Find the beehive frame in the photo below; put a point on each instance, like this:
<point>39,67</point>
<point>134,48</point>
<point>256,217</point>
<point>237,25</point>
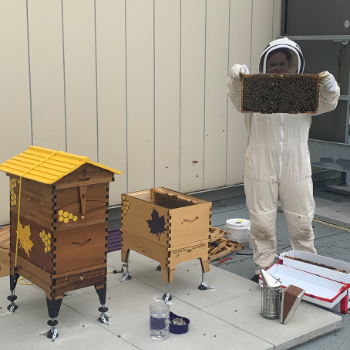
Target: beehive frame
<point>290,93</point>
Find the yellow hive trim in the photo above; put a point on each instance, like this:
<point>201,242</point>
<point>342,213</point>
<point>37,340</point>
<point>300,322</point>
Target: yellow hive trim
<point>46,165</point>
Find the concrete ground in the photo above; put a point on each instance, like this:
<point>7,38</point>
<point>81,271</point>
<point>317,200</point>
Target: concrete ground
<point>225,317</point>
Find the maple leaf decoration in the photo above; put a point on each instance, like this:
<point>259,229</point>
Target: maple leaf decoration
<point>157,224</point>
<point>23,236</point>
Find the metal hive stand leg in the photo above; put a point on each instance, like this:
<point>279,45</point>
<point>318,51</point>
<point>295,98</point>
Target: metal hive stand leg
<point>203,285</point>
<point>53,307</point>
<point>125,260</point>
<point>13,282</point>
<point>167,296</point>
<point>101,292</point>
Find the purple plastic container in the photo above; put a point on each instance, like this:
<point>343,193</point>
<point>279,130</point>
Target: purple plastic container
<point>179,328</point>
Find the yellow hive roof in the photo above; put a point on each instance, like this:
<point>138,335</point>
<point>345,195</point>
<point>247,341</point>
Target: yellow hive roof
<point>46,165</point>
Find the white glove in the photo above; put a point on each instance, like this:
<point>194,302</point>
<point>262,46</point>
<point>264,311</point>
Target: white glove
<point>237,71</point>
<point>327,80</point>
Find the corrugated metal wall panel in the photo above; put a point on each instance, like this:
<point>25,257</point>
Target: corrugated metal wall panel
<point>136,85</point>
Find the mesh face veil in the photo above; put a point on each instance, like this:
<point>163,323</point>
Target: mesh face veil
<point>297,63</point>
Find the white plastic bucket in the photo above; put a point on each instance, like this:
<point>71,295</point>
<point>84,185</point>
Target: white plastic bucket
<point>238,230</point>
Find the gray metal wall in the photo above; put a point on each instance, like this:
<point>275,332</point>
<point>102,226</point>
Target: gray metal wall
<point>323,17</point>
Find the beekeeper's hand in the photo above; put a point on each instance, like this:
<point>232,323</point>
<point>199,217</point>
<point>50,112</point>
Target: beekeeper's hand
<point>327,80</point>
<point>237,71</point>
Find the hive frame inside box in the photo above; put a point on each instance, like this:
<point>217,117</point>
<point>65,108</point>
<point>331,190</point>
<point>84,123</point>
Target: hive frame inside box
<point>318,290</point>
<point>319,270</point>
<point>183,235</point>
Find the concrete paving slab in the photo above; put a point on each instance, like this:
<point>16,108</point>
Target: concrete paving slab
<point>308,322</point>
<point>23,331</point>
<point>129,311</point>
<point>29,297</point>
<point>337,214</point>
<point>186,282</point>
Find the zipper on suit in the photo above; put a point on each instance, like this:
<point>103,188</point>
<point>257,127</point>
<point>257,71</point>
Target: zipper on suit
<point>280,173</point>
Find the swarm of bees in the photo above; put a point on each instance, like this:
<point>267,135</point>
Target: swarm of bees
<point>170,201</point>
<point>280,93</point>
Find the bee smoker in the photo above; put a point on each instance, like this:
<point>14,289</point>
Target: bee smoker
<point>271,292</point>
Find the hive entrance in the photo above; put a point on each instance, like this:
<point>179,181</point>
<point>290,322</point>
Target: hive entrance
<point>280,93</point>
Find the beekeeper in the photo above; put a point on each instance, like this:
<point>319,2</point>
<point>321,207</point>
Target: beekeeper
<point>277,161</point>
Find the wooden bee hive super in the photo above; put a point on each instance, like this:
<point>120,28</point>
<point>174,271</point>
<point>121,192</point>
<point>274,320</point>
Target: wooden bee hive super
<point>166,226</point>
<point>280,93</point>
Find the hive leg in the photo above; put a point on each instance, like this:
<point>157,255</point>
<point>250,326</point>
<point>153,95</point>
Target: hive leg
<point>205,264</point>
<point>125,260</point>
<point>53,308</point>
<point>101,292</point>
<point>13,282</point>
<point>168,276</point>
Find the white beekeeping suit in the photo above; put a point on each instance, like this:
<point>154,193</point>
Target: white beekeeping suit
<point>277,162</point>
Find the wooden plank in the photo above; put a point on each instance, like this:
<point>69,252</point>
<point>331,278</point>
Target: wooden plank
<point>46,73</point>
<point>167,96</point>
<point>36,203</point>
<point>80,77</point>
<point>184,230</point>
<point>5,237</point>
<point>4,269</point>
<point>78,271</point>
<point>78,280</point>
<point>144,195</point>
<point>191,252</point>
<point>32,273</point>
<point>215,132</point>
<point>111,87</point>
<point>5,256</point>
<point>225,247</point>
<point>216,233</point>
<point>66,196</point>
<point>39,238</point>
<point>237,137</point>
<point>86,174</point>
<point>145,247</point>
<point>140,105</point>
<point>193,17</point>
<point>137,218</point>
<point>80,247</point>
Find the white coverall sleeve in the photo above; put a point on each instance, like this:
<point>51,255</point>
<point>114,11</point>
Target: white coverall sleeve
<point>234,86</point>
<point>328,96</point>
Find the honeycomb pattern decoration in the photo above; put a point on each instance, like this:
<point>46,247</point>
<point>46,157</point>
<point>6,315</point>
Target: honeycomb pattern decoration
<point>13,184</point>
<point>65,216</point>
<point>126,205</point>
<point>46,238</point>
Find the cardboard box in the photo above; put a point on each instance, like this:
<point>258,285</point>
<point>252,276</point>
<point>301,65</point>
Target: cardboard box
<point>318,290</point>
<point>331,274</point>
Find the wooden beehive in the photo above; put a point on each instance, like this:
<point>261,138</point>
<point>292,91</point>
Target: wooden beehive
<point>59,215</point>
<point>280,93</point>
<point>166,226</point>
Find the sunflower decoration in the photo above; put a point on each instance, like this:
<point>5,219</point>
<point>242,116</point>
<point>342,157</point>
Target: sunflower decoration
<point>23,234</point>
<point>46,238</point>
<point>126,205</point>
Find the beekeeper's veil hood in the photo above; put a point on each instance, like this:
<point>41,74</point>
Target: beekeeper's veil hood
<point>297,63</point>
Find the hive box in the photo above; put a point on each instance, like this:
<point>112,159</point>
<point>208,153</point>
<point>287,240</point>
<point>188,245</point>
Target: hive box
<point>58,222</point>
<point>169,236</point>
<point>334,275</point>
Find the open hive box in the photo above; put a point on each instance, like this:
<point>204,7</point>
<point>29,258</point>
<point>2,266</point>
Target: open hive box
<point>5,251</point>
<point>280,93</point>
<point>167,226</point>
